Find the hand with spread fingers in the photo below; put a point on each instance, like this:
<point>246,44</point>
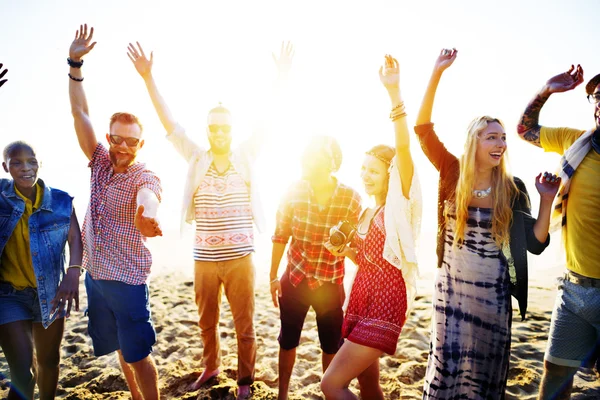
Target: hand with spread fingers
<point>68,293</point>
<point>547,185</point>
<point>445,59</point>
<point>2,74</point>
<point>142,64</point>
<point>147,226</point>
<point>566,81</point>
<point>286,56</point>
<point>82,44</point>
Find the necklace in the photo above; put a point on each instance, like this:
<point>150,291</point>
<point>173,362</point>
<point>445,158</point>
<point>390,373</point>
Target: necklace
<point>482,194</point>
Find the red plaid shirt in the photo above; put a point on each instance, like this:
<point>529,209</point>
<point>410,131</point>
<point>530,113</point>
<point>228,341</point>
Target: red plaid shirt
<point>113,248</point>
<point>300,217</point>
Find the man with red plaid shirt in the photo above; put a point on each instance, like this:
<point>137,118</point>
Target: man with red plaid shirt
<point>313,277</point>
<point>124,200</point>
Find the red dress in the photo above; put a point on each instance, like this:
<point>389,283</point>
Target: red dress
<point>377,307</point>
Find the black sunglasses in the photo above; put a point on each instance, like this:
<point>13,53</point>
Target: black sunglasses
<point>129,141</point>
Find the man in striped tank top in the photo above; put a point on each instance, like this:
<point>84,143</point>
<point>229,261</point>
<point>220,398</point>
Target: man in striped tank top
<point>220,197</point>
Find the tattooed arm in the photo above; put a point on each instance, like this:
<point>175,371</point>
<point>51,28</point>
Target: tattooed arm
<point>529,127</point>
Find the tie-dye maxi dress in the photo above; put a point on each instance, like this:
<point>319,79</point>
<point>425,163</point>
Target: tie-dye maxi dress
<point>470,339</point>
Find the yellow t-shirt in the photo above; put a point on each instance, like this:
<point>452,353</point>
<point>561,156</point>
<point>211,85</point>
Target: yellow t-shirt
<point>17,267</point>
<point>583,207</point>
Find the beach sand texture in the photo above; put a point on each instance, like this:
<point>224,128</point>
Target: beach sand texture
<point>178,352</point>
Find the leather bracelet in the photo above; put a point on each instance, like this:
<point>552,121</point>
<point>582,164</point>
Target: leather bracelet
<point>79,267</point>
<point>74,64</point>
<point>75,79</point>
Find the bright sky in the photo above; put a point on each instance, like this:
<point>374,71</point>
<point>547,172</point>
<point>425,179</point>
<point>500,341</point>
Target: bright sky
<point>206,52</point>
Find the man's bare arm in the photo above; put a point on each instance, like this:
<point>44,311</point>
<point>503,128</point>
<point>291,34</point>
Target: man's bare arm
<point>529,127</point>
<point>79,107</point>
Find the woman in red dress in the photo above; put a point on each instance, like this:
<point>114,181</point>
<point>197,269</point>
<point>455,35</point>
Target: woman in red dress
<point>384,251</point>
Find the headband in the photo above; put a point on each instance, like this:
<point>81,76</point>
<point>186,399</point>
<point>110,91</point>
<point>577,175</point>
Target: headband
<point>380,158</point>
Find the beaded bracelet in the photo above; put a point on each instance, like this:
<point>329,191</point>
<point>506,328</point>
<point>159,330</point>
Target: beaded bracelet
<point>75,79</point>
<point>74,64</point>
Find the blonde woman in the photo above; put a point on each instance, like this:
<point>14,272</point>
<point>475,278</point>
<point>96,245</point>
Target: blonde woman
<point>485,231</point>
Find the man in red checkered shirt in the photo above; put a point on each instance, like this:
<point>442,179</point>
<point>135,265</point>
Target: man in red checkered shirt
<point>121,214</point>
<point>314,276</point>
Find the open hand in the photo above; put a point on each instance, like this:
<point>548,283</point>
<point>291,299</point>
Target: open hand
<point>445,59</point>
<point>284,61</point>
<point>147,226</point>
<point>139,60</point>
<point>547,185</point>
<point>68,292</point>
<point>566,81</point>
<point>2,73</point>
<point>389,73</point>
<point>81,45</point>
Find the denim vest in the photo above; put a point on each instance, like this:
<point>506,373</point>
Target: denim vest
<point>48,232</point>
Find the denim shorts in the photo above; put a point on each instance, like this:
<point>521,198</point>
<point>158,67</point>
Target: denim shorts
<point>575,327</point>
<point>119,318</point>
<point>19,305</point>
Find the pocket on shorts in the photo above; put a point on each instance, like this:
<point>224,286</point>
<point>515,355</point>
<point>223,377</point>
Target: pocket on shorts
<point>140,315</point>
<point>6,289</point>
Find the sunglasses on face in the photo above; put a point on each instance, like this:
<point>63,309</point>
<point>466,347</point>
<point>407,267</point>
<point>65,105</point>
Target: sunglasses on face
<point>129,141</point>
<point>216,128</point>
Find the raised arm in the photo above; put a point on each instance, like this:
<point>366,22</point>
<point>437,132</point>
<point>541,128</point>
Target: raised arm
<point>529,127</point>
<point>433,148</point>
<point>144,68</point>
<point>536,230</point>
<point>444,60</point>
<point>2,74</point>
<point>389,74</point>
<point>79,107</point>
<point>275,103</point>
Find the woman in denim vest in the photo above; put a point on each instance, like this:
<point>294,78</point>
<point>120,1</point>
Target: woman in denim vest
<point>35,292</point>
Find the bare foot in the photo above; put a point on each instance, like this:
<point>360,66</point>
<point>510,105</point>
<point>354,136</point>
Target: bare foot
<point>243,392</point>
<point>203,378</point>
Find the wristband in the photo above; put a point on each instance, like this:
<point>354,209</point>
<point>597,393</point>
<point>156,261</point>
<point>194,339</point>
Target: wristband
<point>79,267</point>
<point>74,64</point>
<point>274,280</point>
<point>75,79</point>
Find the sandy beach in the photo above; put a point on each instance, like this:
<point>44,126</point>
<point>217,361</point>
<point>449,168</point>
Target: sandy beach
<point>179,349</point>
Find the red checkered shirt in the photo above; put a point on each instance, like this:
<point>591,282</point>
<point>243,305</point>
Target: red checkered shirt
<point>300,217</point>
<point>113,248</point>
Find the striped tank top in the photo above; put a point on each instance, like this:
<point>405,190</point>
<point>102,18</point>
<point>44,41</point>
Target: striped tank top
<point>223,217</point>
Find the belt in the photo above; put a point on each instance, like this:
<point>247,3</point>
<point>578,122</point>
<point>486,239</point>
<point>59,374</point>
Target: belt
<point>583,281</point>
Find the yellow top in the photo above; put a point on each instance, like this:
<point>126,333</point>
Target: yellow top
<point>16,266</point>
<point>583,207</point>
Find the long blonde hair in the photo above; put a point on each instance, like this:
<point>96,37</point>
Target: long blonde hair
<point>504,189</point>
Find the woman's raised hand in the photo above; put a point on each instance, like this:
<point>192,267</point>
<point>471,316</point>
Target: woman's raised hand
<point>445,59</point>
<point>389,74</point>
<point>547,185</point>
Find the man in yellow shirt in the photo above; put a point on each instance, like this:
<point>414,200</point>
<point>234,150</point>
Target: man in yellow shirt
<point>575,327</point>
